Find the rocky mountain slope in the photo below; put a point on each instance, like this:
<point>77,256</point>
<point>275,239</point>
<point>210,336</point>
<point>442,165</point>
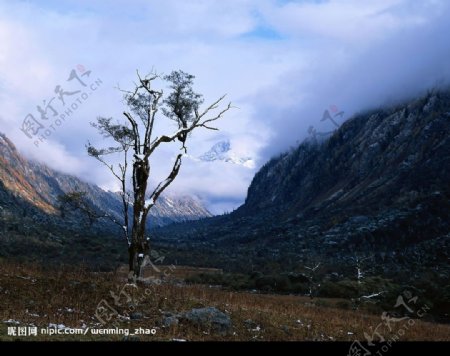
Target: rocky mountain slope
<point>378,187</point>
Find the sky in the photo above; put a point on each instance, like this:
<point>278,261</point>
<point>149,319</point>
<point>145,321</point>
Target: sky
<point>281,64</point>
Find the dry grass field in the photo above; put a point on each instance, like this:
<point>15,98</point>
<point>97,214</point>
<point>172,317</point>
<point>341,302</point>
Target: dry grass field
<point>35,297</point>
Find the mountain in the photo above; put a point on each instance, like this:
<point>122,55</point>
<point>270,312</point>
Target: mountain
<point>40,186</point>
<point>33,228</point>
<point>222,151</point>
<point>172,208</point>
<point>378,187</point>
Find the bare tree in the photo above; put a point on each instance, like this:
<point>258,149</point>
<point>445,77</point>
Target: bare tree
<point>135,141</point>
<point>361,273</point>
<point>311,274</point>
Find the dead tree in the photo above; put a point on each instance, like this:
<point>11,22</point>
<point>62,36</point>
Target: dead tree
<point>136,142</point>
<point>361,273</point>
<point>311,275</point>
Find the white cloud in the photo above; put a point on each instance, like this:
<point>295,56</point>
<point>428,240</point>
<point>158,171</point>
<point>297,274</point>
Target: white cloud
<point>349,20</point>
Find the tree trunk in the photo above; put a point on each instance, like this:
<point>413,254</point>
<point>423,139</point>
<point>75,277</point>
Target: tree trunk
<point>137,251</point>
<point>139,247</point>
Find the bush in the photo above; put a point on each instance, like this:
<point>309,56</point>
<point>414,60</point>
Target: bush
<point>342,289</point>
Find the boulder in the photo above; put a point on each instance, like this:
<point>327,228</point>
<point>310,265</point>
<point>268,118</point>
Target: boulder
<point>208,319</point>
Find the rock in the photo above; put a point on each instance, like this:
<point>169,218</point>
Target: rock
<point>136,316</point>
<point>249,323</point>
<point>150,281</point>
<point>286,329</point>
<point>169,321</point>
<point>208,318</point>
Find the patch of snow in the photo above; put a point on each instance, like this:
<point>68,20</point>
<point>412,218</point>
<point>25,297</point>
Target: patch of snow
<point>179,340</point>
<point>349,333</point>
<point>243,161</point>
<point>169,202</point>
<point>57,326</point>
<point>372,295</point>
<point>11,322</point>
<point>150,202</point>
<point>221,151</point>
<point>32,314</point>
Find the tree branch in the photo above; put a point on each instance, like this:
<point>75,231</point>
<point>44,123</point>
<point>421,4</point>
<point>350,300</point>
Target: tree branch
<point>137,143</point>
<point>164,184</point>
<point>196,123</point>
<point>110,167</point>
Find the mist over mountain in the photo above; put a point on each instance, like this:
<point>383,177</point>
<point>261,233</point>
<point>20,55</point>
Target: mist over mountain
<point>40,186</point>
<point>377,187</point>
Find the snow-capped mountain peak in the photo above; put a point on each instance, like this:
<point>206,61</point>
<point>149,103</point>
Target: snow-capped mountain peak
<point>217,151</point>
<point>221,151</point>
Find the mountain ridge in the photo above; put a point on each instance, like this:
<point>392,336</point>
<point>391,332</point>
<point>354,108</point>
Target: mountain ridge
<point>378,185</point>
<point>41,185</point>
